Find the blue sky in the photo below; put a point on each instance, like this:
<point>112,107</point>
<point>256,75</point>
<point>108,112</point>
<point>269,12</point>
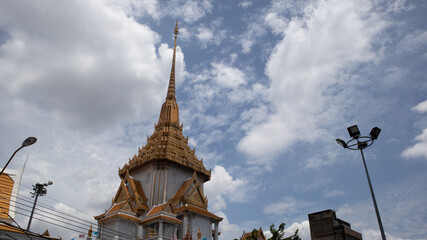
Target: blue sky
<point>264,89</point>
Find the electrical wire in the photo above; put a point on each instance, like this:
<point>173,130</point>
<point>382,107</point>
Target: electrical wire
<point>67,227</point>
<point>106,231</point>
<point>61,202</point>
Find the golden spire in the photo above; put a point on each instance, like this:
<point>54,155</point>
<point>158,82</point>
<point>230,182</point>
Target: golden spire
<point>171,88</point>
<point>167,141</point>
<point>169,112</point>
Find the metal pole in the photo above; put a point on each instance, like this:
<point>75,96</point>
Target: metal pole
<point>37,192</point>
<point>373,196</point>
<point>10,160</point>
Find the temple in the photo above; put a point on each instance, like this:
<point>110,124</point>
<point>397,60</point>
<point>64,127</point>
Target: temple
<point>161,191</point>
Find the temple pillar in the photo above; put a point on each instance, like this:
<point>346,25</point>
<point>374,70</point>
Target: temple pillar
<point>160,230</point>
<point>184,225</point>
<point>216,230</point>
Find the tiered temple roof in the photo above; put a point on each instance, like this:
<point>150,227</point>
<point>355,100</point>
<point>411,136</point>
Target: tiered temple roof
<point>168,143</point>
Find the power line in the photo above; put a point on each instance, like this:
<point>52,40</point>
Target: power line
<point>106,231</point>
<point>77,229</point>
<point>28,200</point>
<point>61,202</point>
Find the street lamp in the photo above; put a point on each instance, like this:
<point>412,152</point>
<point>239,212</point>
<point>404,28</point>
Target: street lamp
<point>27,142</point>
<point>39,190</point>
<point>358,142</point>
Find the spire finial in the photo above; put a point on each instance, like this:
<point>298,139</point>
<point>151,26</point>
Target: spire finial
<point>169,112</point>
<point>171,89</point>
<point>176,31</point>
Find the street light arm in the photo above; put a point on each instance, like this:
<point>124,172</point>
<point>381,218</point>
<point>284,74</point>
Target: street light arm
<point>10,160</point>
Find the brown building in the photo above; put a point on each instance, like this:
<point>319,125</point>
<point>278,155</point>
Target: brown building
<point>325,225</point>
<point>258,234</point>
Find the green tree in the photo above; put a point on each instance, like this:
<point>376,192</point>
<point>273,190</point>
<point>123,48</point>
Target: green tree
<point>277,234</point>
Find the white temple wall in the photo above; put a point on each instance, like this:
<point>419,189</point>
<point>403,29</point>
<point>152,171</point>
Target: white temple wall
<point>205,227</point>
<point>128,229</point>
<point>145,177</point>
<point>174,178</point>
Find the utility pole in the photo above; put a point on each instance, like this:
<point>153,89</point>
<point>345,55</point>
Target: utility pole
<point>39,190</point>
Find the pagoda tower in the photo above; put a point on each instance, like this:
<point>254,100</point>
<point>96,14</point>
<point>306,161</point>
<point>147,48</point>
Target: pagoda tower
<point>161,191</point>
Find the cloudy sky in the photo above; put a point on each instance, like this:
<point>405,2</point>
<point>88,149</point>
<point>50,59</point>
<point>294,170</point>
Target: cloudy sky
<point>264,89</point>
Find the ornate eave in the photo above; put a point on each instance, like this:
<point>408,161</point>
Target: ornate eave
<point>188,198</point>
<point>201,211</point>
<point>128,202</point>
<point>190,192</point>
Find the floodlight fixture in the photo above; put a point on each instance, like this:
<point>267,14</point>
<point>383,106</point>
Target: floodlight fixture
<point>341,142</point>
<point>353,131</point>
<point>375,132</point>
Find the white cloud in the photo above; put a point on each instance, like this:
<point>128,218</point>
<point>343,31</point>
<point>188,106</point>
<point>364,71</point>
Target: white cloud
<point>412,42</point>
<point>334,193</point>
<point>187,10</point>
<point>138,7</point>
<point>184,34</point>
<point>245,4</point>
<point>223,186</point>
<point>419,149</point>
<point>287,206</point>
<point>376,235</point>
<point>421,107</point>
<point>227,76</point>
<point>85,87</point>
<point>84,73</point>
<point>229,230</point>
<point>210,35</point>
<point>303,230</point>
<point>304,68</point>
<point>274,18</point>
<point>276,22</point>
<point>249,38</point>
<point>191,11</point>
<point>204,34</point>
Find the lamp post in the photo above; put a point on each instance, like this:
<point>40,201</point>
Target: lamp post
<point>358,142</point>
<point>27,142</point>
<point>39,190</point>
